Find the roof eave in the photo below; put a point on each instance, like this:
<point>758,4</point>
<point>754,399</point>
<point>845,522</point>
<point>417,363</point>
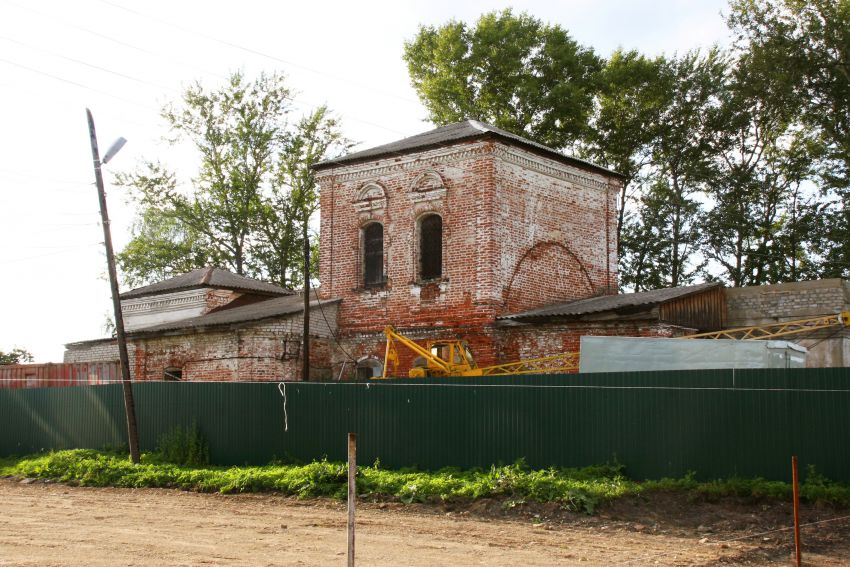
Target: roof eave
<point>552,154</point>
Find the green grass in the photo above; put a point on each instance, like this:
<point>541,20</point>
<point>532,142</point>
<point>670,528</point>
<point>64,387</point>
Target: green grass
<point>581,490</point>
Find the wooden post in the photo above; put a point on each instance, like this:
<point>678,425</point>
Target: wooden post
<point>352,493</point>
<point>129,403</point>
<point>795,480</point>
<point>305,356</point>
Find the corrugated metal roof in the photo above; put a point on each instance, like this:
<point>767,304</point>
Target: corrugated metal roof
<point>612,302</point>
<point>453,133</point>
<point>276,307</point>
<point>207,277</point>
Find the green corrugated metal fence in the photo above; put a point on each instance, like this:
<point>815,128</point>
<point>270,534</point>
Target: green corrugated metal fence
<point>716,423</point>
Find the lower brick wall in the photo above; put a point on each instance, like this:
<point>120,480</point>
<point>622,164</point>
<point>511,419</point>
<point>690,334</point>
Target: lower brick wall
<point>491,344</point>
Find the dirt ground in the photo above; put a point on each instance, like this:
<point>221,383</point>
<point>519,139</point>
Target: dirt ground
<point>51,524</point>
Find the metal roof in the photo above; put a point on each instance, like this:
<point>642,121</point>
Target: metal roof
<point>612,302</point>
<point>207,277</point>
<point>454,133</point>
<point>276,307</point>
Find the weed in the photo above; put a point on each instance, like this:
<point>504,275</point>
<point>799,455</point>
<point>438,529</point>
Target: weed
<point>579,490</point>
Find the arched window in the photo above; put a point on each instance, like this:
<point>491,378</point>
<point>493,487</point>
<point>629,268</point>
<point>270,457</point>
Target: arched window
<point>430,247</point>
<point>369,368</point>
<point>172,374</point>
<point>373,254</point>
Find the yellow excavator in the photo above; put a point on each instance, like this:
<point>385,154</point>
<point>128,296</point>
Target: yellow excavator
<point>453,357</point>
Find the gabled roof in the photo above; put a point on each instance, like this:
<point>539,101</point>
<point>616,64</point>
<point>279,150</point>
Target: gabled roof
<point>207,277</point>
<point>455,133</point>
<point>612,302</point>
<point>269,308</point>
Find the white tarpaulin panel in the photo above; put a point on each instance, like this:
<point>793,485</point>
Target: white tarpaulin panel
<point>630,354</point>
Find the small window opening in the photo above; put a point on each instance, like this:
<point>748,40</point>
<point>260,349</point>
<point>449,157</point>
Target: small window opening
<point>431,247</point>
<point>373,255</point>
<point>369,368</point>
<point>172,374</point>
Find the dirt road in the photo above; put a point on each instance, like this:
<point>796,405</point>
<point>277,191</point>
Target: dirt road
<point>50,524</point>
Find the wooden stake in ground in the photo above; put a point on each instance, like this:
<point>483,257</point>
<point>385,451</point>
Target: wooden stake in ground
<point>352,493</point>
<point>796,511</point>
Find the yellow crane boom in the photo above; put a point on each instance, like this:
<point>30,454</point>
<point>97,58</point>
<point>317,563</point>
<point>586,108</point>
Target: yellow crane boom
<point>453,358</point>
<point>774,330</point>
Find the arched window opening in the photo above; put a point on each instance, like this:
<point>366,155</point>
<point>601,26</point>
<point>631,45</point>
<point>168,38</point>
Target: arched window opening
<point>373,254</point>
<point>369,368</point>
<point>431,247</point>
<point>172,374</point>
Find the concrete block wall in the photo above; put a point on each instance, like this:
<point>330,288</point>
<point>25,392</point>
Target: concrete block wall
<point>761,305</point>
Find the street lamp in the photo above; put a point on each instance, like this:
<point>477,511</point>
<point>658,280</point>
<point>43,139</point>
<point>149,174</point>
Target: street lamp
<point>129,405</point>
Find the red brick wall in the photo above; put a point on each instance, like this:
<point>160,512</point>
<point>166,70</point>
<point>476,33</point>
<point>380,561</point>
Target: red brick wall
<point>493,344</point>
<point>519,231</point>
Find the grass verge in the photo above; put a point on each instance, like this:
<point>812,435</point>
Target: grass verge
<point>580,490</point>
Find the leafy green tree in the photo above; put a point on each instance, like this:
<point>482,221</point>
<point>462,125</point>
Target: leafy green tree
<point>681,162</point>
<point>762,218</point>
<point>512,71</point>
<point>807,43</point>
<point>633,91</point>
<point>240,211</point>
<point>293,197</point>
<point>15,356</point>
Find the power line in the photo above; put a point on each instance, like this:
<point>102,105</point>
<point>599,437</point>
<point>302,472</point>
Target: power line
<point>257,52</point>
<point>86,64</point>
<point>76,84</point>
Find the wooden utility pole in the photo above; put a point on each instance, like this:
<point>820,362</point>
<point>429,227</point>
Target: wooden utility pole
<point>798,556</point>
<point>352,493</point>
<point>305,357</point>
<point>129,404</point>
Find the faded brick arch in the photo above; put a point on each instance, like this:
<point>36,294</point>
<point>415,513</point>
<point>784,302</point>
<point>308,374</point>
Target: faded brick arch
<point>546,273</point>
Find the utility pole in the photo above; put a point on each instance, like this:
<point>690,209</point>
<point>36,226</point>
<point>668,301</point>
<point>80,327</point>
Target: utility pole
<point>129,405</point>
<point>305,357</point>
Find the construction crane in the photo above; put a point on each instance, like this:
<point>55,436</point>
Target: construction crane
<point>775,330</point>
<point>453,358</point>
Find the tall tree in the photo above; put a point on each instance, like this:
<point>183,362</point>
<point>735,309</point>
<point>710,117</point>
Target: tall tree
<point>292,199</point>
<point>235,213</point>
<point>681,159</point>
<point>804,47</point>
<point>633,92</point>
<point>512,71</point>
<point>759,227</point>
<point>808,43</point>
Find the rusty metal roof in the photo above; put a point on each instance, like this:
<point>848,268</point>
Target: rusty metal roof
<point>207,277</point>
<point>269,308</point>
<point>612,302</point>
<point>455,133</point>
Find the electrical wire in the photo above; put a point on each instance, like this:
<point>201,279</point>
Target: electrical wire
<point>259,53</point>
<point>76,84</point>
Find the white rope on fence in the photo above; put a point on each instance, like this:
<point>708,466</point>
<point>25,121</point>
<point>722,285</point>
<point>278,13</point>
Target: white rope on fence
<point>281,387</point>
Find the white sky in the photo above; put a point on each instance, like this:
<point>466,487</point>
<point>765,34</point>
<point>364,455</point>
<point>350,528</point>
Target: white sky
<point>124,60</point>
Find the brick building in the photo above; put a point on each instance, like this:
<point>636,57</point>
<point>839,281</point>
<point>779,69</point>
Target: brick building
<point>211,324</point>
<point>450,232</point>
<point>465,231</point>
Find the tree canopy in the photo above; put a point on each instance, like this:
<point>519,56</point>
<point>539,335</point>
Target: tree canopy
<point>15,356</point>
<point>735,161</point>
<point>247,206</point>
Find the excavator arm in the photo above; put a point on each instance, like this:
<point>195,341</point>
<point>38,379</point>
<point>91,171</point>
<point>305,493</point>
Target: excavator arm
<point>392,354</point>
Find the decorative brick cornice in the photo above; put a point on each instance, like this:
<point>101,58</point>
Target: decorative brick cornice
<point>414,160</point>
<point>548,167</point>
